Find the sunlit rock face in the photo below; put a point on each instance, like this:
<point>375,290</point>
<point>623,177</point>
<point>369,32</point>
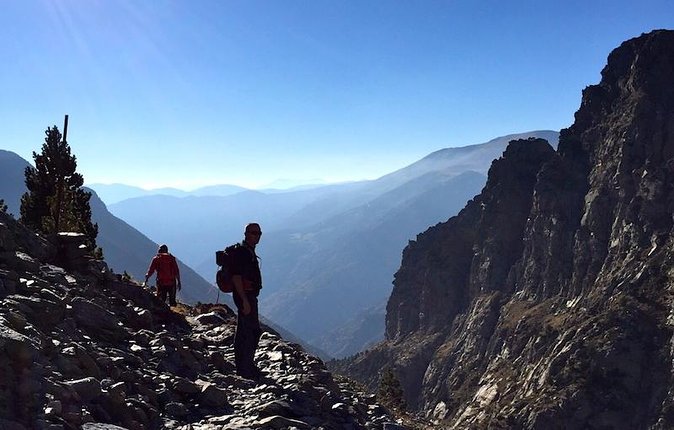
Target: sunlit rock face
<point>80,348</point>
<point>547,302</point>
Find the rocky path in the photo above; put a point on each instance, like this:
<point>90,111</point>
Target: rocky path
<point>86,350</point>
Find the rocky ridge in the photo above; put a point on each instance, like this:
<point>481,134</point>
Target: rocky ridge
<point>82,349</point>
<point>548,301</point>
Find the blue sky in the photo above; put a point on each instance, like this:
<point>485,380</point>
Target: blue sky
<point>191,93</point>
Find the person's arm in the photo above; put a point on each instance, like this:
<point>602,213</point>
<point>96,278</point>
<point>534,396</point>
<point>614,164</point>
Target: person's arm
<point>177,273</point>
<point>239,289</point>
<point>151,269</point>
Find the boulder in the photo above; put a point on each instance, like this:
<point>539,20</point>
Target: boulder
<point>87,388</point>
<point>92,317</point>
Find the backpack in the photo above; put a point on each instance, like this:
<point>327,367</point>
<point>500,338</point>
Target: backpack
<point>225,259</point>
<point>166,269</point>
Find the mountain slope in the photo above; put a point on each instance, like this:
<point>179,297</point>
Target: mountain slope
<point>344,265</point>
<point>454,161</point>
<point>125,248</point>
<point>444,163</point>
<point>546,303</point>
<point>12,180</point>
<point>83,350</point>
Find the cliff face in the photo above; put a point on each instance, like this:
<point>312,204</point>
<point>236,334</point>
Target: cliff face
<point>547,302</point>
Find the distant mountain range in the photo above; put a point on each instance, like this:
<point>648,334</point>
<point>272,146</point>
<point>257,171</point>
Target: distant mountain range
<point>113,193</point>
<point>328,252</point>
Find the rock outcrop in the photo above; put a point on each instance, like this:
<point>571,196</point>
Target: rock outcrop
<point>548,301</point>
<point>83,349</point>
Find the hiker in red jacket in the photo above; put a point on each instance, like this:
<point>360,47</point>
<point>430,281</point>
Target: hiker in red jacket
<point>168,275</point>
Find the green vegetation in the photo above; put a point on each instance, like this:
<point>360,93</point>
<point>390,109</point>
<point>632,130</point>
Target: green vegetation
<point>390,391</point>
<point>126,277</point>
<point>55,200</point>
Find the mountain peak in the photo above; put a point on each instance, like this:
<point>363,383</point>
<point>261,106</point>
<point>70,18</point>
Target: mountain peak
<point>635,86</point>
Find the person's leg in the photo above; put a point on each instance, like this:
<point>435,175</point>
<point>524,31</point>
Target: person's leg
<point>161,293</point>
<point>239,336</point>
<point>255,331</point>
<point>246,338</point>
<point>252,338</point>
<point>172,295</point>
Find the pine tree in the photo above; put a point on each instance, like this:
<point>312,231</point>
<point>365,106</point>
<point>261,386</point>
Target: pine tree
<point>390,391</point>
<point>3,206</point>
<point>55,200</point>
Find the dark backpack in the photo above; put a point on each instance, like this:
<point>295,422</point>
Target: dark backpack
<point>225,259</point>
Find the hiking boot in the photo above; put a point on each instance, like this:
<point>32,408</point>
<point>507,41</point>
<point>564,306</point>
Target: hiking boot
<point>253,374</point>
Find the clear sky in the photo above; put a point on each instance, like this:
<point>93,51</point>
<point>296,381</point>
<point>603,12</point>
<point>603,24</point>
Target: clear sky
<point>191,93</point>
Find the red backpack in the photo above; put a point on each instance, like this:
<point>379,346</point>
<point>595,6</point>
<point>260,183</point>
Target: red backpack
<point>166,269</point>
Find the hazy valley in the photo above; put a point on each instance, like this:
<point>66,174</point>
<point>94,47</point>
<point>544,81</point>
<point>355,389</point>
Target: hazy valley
<point>329,253</point>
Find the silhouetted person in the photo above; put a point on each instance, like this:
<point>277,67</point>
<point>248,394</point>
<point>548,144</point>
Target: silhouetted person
<point>168,275</point>
<point>247,281</point>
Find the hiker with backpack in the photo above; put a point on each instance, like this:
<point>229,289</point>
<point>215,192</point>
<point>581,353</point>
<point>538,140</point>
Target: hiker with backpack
<point>247,280</point>
<point>168,275</point>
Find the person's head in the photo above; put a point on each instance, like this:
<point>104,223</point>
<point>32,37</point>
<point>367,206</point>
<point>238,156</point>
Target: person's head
<point>163,249</point>
<point>252,233</point>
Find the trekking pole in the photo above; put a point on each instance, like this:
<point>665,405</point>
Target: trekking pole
<point>217,300</point>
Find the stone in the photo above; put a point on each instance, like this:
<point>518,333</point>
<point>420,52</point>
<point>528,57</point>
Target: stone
<point>25,262</point>
<point>87,388</point>
<point>211,318</point>
<point>17,347</point>
<point>276,407</point>
<point>176,409</point>
<point>91,316</point>
<point>7,285</point>
<point>213,396</point>
<point>278,422</point>
<point>329,400</point>
<point>101,426</point>
<point>184,386</point>
<point>440,411</point>
<point>340,408</point>
<point>50,312</point>
<point>117,392</point>
<point>140,319</point>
